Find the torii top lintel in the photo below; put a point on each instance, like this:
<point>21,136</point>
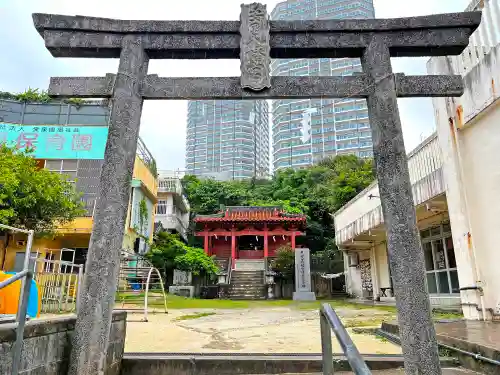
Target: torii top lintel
<point>255,40</point>
<point>81,36</point>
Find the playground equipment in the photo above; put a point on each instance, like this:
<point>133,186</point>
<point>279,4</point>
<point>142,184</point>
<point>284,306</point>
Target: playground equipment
<point>140,286</point>
<point>10,297</point>
<point>26,276</point>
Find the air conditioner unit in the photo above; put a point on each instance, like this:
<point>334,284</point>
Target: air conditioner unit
<point>353,259</point>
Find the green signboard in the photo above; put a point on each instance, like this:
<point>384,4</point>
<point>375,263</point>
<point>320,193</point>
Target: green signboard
<point>57,142</point>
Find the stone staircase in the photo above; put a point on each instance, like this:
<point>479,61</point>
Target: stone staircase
<point>247,280</point>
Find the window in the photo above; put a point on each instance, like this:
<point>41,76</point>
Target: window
<point>161,208</point>
<point>440,262</point>
<point>65,167</point>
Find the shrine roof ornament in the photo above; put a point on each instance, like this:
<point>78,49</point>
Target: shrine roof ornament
<point>250,214</point>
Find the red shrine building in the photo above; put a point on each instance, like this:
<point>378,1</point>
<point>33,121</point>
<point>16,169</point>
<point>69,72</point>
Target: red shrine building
<point>249,232</point>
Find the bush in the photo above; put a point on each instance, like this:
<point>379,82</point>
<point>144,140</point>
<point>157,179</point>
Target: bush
<point>169,252</point>
<point>284,263</point>
<point>196,261</point>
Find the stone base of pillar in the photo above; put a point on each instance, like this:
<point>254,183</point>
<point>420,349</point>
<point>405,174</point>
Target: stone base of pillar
<point>304,296</point>
<point>270,291</point>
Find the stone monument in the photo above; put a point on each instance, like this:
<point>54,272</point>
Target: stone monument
<point>182,284</point>
<point>303,276</point>
<point>255,40</point>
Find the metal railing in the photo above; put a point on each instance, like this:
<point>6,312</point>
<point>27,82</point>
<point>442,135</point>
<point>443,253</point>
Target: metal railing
<point>59,285</point>
<point>329,321</point>
<point>26,276</point>
<point>229,270</point>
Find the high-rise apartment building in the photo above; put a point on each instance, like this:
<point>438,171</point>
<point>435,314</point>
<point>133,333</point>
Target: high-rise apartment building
<point>306,131</point>
<point>228,139</point>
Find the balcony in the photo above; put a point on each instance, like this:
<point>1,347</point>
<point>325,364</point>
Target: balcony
<point>172,185</point>
<point>172,223</point>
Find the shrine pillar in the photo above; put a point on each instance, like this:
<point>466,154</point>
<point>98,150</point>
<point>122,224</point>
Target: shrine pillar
<point>233,249</point>
<point>293,240</point>
<point>266,242</point>
<point>205,243</point>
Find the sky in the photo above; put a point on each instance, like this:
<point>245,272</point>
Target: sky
<point>24,61</point>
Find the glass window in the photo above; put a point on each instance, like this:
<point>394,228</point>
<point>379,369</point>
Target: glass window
<point>439,254</point>
<point>431,283</point>
<point>450,252</point>
<point>429,262</point>
<point>53,165</point>
<point>444,286</point>
<point>455,288</point>
<point>440,262</point>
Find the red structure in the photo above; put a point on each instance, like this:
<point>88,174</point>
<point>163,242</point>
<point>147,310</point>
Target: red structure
<point>249,232</point>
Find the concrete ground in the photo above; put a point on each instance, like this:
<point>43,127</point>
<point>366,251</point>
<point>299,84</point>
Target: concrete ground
<point>257,330</point>
<point>450,371</point>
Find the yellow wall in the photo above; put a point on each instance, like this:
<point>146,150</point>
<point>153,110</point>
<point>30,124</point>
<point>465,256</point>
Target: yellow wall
<point>79,225</point>
<point>77,233</point>
<point>142,172</point>
<point>42,245</point>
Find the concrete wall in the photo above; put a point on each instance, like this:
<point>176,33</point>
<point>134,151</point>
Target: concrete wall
<point>353,275</point>
<point>470,139</point>
<point>382,264</point>
<point>47,346</point>
<point>362,213</point>
<point>480,143</point>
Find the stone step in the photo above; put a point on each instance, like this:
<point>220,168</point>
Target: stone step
<point>248,298</point>
<point>249,265</point>
<point>246,290</point>
<point>256,274</point>
<point>248,271</point>
<point>250,280</point>
<point>247,277</point>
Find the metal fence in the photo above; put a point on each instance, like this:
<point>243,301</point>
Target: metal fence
<point>58,285</point>
<point>329,321</point>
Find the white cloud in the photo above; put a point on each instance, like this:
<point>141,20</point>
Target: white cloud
<point>26,63</point>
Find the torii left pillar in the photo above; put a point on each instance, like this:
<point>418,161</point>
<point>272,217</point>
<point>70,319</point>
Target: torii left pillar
<point>93,326</point>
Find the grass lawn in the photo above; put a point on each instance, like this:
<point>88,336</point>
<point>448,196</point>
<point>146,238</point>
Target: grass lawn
<point>194,316</point>
<point>177,302</point>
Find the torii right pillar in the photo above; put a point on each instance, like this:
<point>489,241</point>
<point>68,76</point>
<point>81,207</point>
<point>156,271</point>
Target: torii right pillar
<point>406,257</point>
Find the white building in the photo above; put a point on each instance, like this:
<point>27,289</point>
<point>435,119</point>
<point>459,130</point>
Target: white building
<point>172,210</point>
<point>455,176</point>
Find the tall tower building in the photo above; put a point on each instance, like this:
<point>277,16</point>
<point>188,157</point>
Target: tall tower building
<point>228,139</point>
<point>306,131</point>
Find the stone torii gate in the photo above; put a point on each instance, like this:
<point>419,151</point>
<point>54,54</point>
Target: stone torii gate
<point>255,40</point>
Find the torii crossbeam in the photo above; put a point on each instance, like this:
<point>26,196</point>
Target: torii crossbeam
<point>255,40</point>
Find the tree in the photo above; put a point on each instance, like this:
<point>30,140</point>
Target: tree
<point>317,191</point>
<point>169,252</point>
<point>32,197</point>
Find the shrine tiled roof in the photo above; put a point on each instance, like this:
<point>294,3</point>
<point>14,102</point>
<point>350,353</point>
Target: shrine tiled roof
<point>250,213</point>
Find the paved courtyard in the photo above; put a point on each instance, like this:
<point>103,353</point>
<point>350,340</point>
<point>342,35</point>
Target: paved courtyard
<point>254,330</point>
